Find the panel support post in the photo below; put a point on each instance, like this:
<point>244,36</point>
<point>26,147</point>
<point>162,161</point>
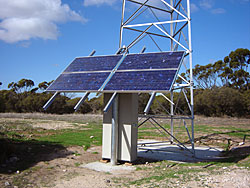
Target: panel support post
<point>114,135</point>
<point>46,106</point>
<point>150,101</point>
<point>77,106</point>
<point>172,115</point>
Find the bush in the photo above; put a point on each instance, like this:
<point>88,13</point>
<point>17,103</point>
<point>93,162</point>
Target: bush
<point>246,96</point>
<point>84,108</point>
<point>9,100</point>
<point>219,102</point>
<point>2,104</point>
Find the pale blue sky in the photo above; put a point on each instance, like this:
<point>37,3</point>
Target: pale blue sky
<point>37,41</point>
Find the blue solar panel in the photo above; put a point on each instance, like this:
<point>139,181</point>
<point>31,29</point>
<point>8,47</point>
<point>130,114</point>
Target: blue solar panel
<point>152,61</point>
<point>141,81</point>
<point>138,73</point>
<point>78,82</point>
<point>93,63</point>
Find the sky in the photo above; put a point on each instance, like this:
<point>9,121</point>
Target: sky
<point>39,38</point>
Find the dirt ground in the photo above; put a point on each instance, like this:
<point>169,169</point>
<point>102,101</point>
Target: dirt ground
<point>64,171</point>
<point>60,167</point>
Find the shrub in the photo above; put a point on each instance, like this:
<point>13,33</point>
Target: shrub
<point>219,102</point>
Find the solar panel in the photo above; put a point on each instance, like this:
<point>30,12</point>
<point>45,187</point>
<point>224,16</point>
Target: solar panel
<point>93,63</point>
<point>152,61</point>
<point>141,81</point>
<point>78,82</point>
<point>137,73</point>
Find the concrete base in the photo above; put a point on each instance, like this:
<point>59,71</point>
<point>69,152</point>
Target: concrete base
<point>153,149</point>
<point>107,167</point>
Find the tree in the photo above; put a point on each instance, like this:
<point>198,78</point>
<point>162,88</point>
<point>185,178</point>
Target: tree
<point>23,85</point>
<point>238,74</point>
<point>230,72</point>
<point>44,85</point>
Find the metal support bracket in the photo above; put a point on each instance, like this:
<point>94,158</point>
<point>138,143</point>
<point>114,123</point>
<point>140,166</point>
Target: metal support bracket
<point>84,97</point>
<point>105,110</point>
<point>150,101</point>
<point>92,53</point>
<point>189,106</point>
<point>183,79</point>
<point>143,50</point>
<point>113,72</point>
<point>46,106</point>
<point>190,139</point>
<point>167,99</point>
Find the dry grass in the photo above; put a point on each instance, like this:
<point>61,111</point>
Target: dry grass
<point>83,118</point>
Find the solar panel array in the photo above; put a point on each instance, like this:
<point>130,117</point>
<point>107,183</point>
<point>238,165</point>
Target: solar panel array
<point>137,73</point>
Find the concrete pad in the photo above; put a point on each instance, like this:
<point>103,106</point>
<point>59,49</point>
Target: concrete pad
<point>107,167</point>
<point>157,150</point>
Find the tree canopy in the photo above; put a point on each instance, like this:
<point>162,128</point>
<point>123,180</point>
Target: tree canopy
<point>231,72</point>
<point>23,85</point>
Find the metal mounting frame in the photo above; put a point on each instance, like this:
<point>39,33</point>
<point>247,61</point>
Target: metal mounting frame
<point>175,28</point>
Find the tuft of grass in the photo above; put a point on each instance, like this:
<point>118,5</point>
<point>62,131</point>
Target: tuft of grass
<point>77,164</point>
<point>76,154</point>
<point>86,147</point>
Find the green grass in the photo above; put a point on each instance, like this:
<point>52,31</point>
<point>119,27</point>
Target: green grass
<point>70,137</point>
<point>149,131</point>
<point>77,164</point>
<point>22,131</point>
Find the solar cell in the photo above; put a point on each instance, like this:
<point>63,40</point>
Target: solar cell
<point>137,73</point>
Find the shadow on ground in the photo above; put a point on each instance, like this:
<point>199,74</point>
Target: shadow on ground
<point>210,137</point>
<point>19,155</point>
<point>159,151</point>
<point>236,154</point>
